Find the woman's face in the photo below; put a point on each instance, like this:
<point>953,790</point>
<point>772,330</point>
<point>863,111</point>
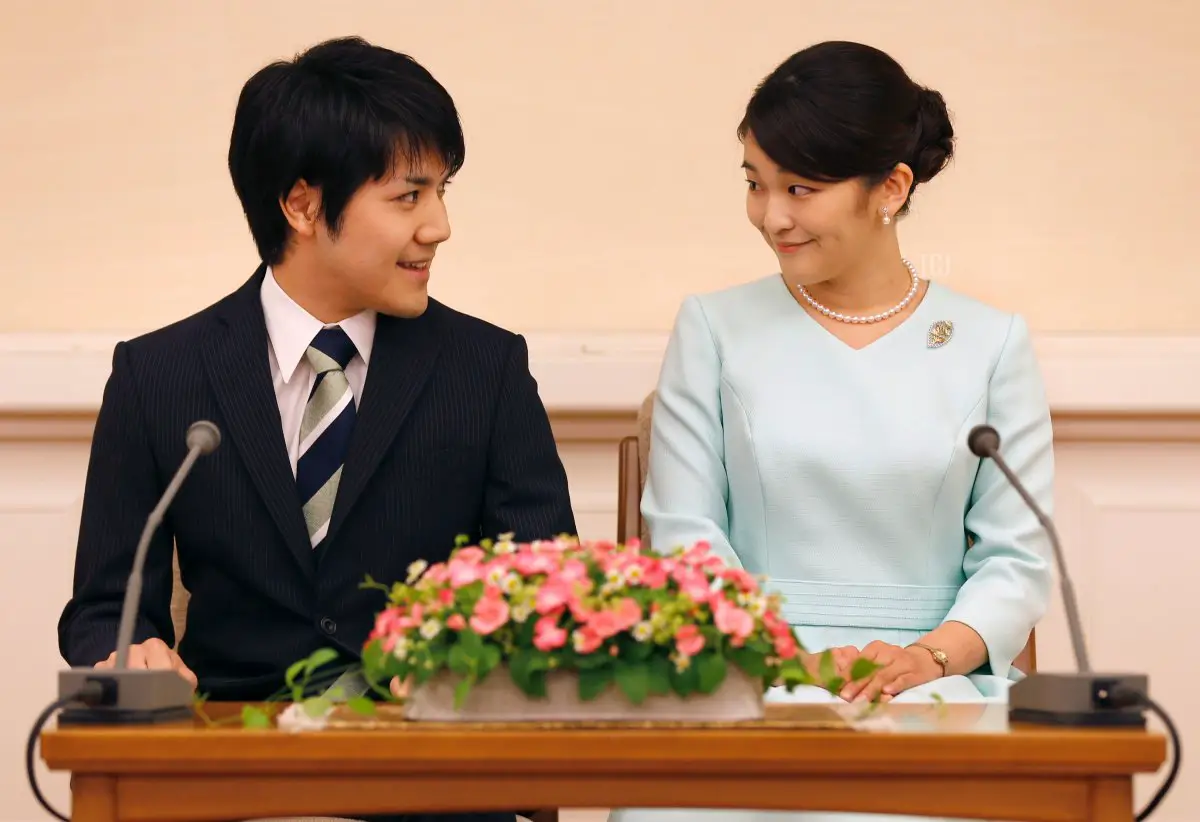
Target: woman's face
<point>818,231</point>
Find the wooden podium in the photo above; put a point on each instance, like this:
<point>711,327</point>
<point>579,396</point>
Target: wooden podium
<point>947,761</point>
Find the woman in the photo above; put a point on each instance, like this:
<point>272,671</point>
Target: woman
<point>812,424</point>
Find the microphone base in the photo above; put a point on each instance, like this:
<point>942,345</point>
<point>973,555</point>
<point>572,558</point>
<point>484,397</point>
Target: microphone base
<point>1095,700</point>
<point>130,697</point>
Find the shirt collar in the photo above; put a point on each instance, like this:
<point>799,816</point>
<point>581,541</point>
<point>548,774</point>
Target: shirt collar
<point>291,329</point>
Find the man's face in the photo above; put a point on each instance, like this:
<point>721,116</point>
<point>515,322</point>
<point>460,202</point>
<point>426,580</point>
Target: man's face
<point>390,230</point>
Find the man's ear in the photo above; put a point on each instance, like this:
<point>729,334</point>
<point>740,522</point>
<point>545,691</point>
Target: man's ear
<point>302,208</point>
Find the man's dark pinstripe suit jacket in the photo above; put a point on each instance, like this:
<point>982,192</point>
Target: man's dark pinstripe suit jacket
<point>451,438</point>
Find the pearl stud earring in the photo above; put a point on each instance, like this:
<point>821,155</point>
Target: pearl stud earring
<point>887,220</point>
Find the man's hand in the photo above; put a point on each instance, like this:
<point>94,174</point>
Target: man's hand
<point>154,654</point>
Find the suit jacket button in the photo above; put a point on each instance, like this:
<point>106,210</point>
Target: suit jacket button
<point>328,626</point>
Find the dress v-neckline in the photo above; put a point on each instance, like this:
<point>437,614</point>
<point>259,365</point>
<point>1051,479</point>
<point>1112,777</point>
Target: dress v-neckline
<point>913,318</point>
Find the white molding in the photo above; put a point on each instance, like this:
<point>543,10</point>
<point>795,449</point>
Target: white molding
<point>613,371</point>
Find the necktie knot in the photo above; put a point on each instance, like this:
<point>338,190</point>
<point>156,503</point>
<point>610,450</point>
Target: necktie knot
<point>331,350</point>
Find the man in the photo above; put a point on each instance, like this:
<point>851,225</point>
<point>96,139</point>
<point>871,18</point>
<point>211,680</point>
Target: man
<point>364,425</point>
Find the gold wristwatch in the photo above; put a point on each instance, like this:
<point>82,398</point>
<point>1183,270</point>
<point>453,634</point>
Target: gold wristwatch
<point>939,656</point>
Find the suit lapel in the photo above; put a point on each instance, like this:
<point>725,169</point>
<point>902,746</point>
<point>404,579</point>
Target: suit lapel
<point>402,358</point>
<point>238,369</point>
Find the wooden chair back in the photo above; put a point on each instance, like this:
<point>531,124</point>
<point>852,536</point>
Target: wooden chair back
<point>632,462</point>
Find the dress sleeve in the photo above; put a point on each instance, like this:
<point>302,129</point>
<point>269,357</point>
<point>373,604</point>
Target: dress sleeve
<point>687,487</point>
<point>1008,565</point>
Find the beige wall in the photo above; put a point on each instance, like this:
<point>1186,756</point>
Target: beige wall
<point>602,182</point>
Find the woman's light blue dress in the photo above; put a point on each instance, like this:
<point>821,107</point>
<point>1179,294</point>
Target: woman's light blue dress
<point>844,476</point>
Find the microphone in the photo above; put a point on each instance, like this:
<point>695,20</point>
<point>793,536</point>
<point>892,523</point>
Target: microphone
<point>1080,699</point>
<point>139,695</point>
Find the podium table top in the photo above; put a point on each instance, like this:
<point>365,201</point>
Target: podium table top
<point>941,760</point>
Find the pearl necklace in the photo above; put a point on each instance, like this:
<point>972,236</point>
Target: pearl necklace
<point>873,318</point>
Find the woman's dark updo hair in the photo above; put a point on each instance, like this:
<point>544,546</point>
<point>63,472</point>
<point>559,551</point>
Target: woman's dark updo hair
<point>839,110</point>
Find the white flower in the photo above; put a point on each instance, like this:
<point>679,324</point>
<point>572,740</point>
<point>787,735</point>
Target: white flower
<point>495,575</point>
<point>758,605</point>
<point>635,574</point>
<point>521,612</point>
<point>615,578</point>
<point>682,662</point>
<point>416,569</point>
<point>401,649</point>
<point>295,718</point>
<point>505,545</point>
<point>431,628</point>
<point>643,631</point>
<point>511,582</point>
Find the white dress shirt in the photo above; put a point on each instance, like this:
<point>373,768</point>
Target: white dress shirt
<point>290,330</point>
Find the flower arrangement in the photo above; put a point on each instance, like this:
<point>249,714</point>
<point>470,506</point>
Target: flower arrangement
<point>615,615</point>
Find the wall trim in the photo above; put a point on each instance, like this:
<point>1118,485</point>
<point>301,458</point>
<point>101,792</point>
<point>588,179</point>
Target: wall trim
<point>1102,386</point>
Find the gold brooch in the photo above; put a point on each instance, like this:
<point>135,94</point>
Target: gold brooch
<point>939,333</point>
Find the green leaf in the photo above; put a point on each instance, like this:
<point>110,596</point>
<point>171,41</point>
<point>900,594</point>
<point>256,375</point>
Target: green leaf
<point>520,668</point>
<point>633,678</point>
<point>462,691</point>
<point>255,717</point>
<point>633,650</point>
<point>834,685</point>
<point>710,669</point>
<point>316,706</point>
<point>470,641</point>
<point>793,673</point>
<point>593,681</point>
<point>659,675</point>
<point>586,662</point>
<point>369,583</point>
<point>466,597</point>
<point>827,669</point>
<point>750,661</point>
<point>863,668</point>
<point>489,658</point>
<point>687,681</point>
<point>363,705</point>
<point>462,661</point>
<point>293,671</point>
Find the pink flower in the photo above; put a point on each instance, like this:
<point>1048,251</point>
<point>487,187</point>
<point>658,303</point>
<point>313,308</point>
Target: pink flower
<point>732,620</point>
<point>628,614</point>
<point>436,574</point>
<point>741,579</point>
<point>586,640</point>
<point>491,612</point>
<point>413,618</point>
<point>554,594</point>
<point>547,636</point>
<point>456,622</point>
<point>445,597</point>
<point>775,626</point>
<point>688,640</point>
<point>471,554</point>
<point>653,574</point>
<point>387,622</point>
<point>785,646</point>
<point>693,583</point>
<point>697,554</point>
<point>610,622</point>
<point>528,563</point>
<point>464,573</point>
<point>573,570</point>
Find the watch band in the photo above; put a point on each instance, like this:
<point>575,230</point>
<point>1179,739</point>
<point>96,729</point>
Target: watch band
<point>939,656</point>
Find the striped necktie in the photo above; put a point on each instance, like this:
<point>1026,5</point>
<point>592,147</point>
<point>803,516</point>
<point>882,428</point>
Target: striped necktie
<point>325,429</point>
